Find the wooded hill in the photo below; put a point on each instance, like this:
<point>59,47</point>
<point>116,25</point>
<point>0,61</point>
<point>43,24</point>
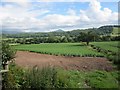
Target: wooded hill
<point>112,30</point>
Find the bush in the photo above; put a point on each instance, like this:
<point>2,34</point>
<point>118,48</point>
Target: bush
<point>7,53</point>
<point>14,78</point>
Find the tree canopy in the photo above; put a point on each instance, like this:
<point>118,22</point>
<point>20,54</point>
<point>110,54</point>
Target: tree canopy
<point>87,37</point>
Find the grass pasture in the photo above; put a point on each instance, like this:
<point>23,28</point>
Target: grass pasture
<point>66,49</point>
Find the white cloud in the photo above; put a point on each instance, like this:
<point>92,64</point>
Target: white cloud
<point>71,12</point>
<point>22,18</point>
<point>23,3</point>
<point>19,13</point>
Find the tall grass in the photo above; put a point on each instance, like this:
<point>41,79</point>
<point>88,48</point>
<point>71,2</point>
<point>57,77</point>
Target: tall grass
<point>48,77</point>
<point>41,78</point>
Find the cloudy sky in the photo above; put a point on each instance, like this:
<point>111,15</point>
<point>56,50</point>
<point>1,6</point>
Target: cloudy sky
<point>50,15</point>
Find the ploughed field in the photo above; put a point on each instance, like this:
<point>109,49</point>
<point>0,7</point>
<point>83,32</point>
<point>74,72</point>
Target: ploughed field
<point>30,59</point>
<point>76,56</point>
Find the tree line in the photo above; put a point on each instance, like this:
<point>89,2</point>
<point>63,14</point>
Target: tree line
<point>83,36</point>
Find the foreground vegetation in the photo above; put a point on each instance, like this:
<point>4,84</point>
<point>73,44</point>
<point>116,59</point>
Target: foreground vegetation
<point>49,77</point>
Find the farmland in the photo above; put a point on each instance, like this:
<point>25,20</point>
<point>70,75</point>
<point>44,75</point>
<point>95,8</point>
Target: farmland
<point>84,66</point>
<point>95,49</point>
<point>82,72</point>
<point>70,49</point>
<point>111,46</point>
<point>64,60</point>
<point>66,49</point>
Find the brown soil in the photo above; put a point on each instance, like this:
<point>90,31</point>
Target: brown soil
<point>29,59</point>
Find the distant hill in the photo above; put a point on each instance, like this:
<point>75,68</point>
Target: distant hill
<point>11,31</point>
<point>112,30</point>
<point>59,30</point>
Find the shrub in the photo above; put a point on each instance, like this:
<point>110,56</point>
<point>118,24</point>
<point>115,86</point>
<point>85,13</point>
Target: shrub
<point>7,53</point>
<point>14,78</point>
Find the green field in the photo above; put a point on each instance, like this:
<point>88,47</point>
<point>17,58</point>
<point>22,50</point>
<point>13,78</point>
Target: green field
<point>111,46</point>
<point>115,32</point>
<point>67,49</point>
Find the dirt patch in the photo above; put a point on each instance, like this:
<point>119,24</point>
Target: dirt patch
<point>29,59</point>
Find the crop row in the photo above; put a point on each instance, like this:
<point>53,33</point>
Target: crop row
<point>72,55</point>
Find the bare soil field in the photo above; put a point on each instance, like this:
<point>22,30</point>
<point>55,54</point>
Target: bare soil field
<point>30,59</point>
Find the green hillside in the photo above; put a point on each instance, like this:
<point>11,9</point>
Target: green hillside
<point>116,31</point>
